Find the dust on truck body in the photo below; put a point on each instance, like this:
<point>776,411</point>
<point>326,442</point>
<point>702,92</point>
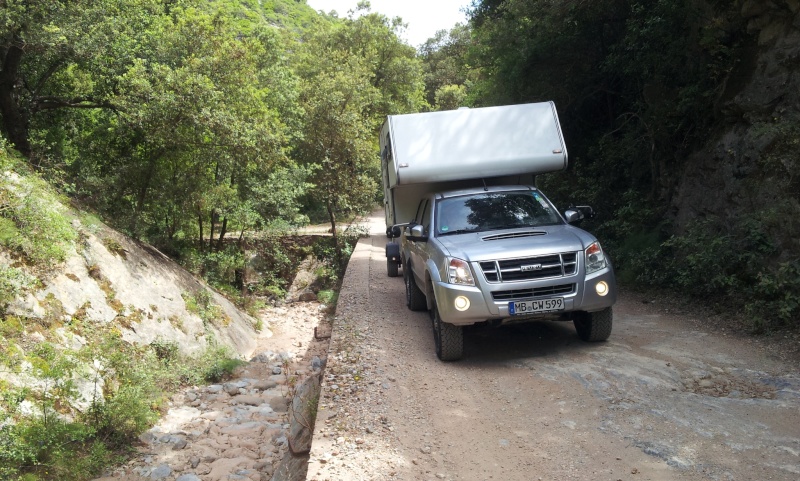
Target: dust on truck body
<point>478,241</point>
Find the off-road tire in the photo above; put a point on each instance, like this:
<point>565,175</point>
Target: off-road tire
<point>391,268</point>
<point>448,338</point>
<point>415,298</point>
<point>594,326</point>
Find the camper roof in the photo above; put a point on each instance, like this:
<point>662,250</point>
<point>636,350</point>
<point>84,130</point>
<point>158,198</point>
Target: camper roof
<point>477,143</point>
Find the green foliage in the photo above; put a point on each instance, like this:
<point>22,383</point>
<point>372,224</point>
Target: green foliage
<point>448,75</point>
<point>13,282</point>
<point>33,224</point>
<point>334,253</point>
<point>328,297</point>
<point>202,304</point>
<point>217,364</point>
<point>131,385</point>
<point>355,72</point>
<point>775,299</point>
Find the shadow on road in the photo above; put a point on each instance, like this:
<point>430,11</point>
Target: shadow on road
<point>539,339</point>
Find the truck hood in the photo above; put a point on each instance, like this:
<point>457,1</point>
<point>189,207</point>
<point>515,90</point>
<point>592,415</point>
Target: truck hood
<point>514,243</point>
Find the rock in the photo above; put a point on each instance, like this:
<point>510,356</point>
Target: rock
<point>161,471</point>
<point>231,388</point>
<point>188,477</point>
<point>277,370</point>
<point>264,385</point>
<point>248,399</point>
<point>307,296</point>
<point>193,462</point>
<point>303,415</point>
<point>279,404</point>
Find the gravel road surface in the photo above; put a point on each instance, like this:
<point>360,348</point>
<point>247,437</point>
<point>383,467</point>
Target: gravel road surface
<point>669,396</point>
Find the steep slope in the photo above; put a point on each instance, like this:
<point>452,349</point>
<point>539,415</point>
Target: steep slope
<point>749,167</point>
<point>96,330</point>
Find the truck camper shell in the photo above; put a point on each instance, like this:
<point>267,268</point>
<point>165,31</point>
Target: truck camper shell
<point>437,151</point>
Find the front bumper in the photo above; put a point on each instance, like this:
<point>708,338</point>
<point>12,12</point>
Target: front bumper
<point>483,306</point>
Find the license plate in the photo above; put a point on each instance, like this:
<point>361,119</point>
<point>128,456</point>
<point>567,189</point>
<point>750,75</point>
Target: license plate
<point>532,307</point>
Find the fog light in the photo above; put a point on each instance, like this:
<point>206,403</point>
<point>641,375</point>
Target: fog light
<point>601,288</point>
<point>462,303</point>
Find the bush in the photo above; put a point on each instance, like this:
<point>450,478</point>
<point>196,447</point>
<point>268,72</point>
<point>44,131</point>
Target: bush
<point>776,298</point>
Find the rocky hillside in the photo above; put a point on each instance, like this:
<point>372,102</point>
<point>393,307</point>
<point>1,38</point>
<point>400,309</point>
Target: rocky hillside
<point>109,278</point>
<point>96,329</point>
<point>749,166</point>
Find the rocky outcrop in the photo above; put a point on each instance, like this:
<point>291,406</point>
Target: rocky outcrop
<point>111,278</point>
<point>750,166</point>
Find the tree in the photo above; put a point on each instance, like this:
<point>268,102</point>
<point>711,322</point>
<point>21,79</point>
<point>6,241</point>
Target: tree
<point>201,117</point>
<point>448,75</point>
<point>64,55</point>
<point>355,72</point>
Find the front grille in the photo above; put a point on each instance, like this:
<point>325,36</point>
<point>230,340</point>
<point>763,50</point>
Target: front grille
<point>520,294</point>
<point>531,268</point>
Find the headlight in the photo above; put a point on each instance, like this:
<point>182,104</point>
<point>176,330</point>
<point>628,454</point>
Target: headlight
<point>459,273</point>
<point>595,259</point>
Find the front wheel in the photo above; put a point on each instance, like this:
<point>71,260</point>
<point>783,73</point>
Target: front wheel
<point>594,326</point>
<point>449,339</point>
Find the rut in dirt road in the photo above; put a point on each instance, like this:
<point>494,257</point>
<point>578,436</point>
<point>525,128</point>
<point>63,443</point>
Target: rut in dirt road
<point>667,397</point>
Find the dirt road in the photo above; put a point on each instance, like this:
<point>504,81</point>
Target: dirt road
<point>667,397</point>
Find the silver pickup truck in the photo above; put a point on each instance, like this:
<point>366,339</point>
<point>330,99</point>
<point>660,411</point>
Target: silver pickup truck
<point>487,251</point>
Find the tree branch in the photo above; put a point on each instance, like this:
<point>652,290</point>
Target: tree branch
<point>51,103</point>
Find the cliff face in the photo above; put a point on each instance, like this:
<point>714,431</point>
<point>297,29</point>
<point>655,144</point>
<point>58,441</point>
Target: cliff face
<point>750,168</point>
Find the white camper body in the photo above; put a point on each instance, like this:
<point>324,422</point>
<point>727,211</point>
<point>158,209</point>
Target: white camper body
<point>440,151</point>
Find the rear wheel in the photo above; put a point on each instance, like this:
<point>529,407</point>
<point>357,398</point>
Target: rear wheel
<point>415,298</point>
<point>594,326</point>
<point>391,268</point>
<point>449,339</point>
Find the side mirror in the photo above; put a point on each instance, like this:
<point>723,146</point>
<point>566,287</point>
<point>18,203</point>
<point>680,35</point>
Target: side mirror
<point>417,234</point>
<point>573,216</point>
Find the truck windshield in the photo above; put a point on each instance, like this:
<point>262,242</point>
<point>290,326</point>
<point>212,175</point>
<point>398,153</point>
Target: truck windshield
<point>492,211</point>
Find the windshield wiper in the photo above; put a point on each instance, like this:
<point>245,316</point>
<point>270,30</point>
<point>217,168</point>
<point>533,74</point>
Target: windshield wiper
<point>459,231</point>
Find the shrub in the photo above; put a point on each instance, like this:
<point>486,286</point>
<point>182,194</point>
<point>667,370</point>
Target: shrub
<point>776,298</point>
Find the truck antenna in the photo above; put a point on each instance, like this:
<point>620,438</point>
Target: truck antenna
<point>485,188</point>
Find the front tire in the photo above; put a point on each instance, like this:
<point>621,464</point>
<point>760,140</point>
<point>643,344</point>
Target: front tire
<point>449,339</point>
<point>415,298</point>
<point>594,326</point>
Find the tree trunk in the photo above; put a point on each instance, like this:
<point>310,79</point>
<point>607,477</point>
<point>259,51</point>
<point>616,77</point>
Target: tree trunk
<point>200,225</point>
<point>222,233</point>
<point>211,235</point>
<point>332,217</point>
<point>15,123</point>
<point>142,197</point>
